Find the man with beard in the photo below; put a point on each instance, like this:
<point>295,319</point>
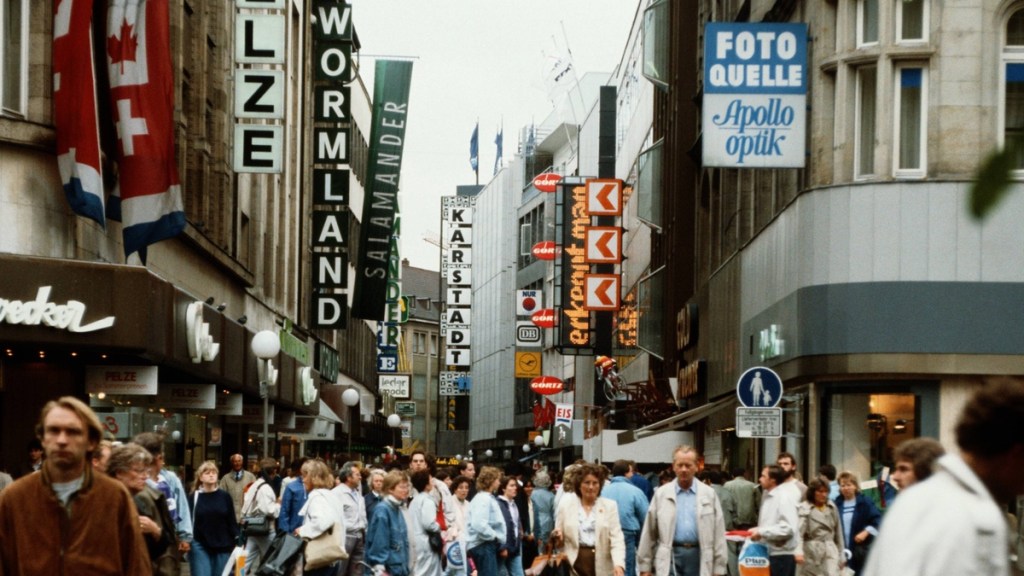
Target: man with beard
<point>68,519</point>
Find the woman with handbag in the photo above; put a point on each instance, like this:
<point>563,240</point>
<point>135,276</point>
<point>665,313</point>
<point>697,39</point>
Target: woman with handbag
<point>426,532</point>
<point>259,514</point>
<point>588,529</point>
<point>821,532</point>
<point>387,538</point>
<point>322,520</point>
<point>860,518</point>
<point>214,526</point>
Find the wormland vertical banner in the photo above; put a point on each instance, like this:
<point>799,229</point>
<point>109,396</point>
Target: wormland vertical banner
<point>755,93</point>
<point>391,80</point>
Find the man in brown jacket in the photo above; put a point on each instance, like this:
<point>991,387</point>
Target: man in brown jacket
<point>66,520</point>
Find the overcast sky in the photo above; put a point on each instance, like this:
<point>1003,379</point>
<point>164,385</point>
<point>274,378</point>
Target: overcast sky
<point>476,59</point>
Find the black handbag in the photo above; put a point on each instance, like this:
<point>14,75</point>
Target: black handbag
<point>256,524</point>
<point>282,554</point>
<point>435,541</point>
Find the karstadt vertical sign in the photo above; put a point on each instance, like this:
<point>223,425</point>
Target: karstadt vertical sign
<point>755,95</point>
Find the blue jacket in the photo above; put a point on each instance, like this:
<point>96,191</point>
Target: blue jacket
<point>631,500</point>
<point>292,501</point>
<point>865,515</point>
<point>484,522</point>
<point>387,540</point>
<point>543,513</point>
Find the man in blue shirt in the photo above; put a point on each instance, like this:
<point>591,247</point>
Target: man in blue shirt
<point>293,499</point>
<point>632,509</point>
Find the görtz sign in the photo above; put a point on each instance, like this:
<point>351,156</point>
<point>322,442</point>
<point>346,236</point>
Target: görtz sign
<point>755,93</point>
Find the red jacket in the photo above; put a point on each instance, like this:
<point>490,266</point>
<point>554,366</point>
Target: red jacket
<point>98,533</point>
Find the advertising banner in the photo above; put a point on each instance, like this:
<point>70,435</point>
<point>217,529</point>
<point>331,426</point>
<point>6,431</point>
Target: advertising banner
<point>384,165</point>
<point>755,93</point>
<point>563,425</point>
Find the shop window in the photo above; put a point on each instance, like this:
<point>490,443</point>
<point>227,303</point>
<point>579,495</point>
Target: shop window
<point>867,22</point>
<point>648,187</point>
<point>864,428</point>
<point>13,56</point>
<point>864,140</point>
<point>911,17</point>
<point>656,43</point>
<point>1013,87</point>
<point>911,125</point>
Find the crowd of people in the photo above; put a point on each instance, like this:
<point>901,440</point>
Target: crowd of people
<point>93,507</point>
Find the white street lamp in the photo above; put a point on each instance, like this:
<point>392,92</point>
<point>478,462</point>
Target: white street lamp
<point>526,447</point>
<point>350,398</point>
<point>488,453</point>
<point>266,344</point>
<point>539,440</point>
<point>394,421</point>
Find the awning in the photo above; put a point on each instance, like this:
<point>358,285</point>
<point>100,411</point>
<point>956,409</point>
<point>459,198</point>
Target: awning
<point>679,420</point>
<point>325,414</point>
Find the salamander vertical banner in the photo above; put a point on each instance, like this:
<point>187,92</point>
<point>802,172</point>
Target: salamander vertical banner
<point>755,95</point>
<point>383,168</point>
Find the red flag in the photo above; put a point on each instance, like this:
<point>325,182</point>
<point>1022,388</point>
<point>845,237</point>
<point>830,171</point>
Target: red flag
<point>75,118</point>
<point>142,101</point>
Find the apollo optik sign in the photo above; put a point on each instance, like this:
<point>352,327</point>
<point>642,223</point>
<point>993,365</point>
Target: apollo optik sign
<point>755,95</point>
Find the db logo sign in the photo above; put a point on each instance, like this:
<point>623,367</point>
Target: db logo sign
<point>547,181</point>
<point>544,250</point>
<point>544,318</point>
<point>527,334</point>
<point>546,385</point>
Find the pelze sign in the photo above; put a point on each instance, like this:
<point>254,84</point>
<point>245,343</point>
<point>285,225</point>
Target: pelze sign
<point>755,93</point>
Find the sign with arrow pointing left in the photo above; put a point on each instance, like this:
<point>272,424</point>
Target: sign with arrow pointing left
<point>604,245</point>
<point>602,292</point>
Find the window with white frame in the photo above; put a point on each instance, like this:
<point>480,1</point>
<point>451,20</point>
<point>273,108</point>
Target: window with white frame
<point>865,105</point>
<point>911,20</point>
<point>911,84</point>
<point>419,343</point>
<point>433,344</point>
<point>867,22</point>
<point>1013,86</point>
<point>13,56</point>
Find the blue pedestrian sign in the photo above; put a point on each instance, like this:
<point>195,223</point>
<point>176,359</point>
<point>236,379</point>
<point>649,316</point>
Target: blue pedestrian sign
<point>759,387</point>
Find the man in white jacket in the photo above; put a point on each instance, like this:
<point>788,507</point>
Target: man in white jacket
<point>684,531</point>
<point>778,523</point>
<point>952,523</point>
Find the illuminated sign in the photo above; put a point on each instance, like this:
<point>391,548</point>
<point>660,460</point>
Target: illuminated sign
<point>574,326</point>
<point>67,316</point>
<point>626,321</point>
<point>686,326</point>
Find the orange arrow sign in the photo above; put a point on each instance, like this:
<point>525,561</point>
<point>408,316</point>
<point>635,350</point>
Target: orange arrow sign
<point>604,197</point>
<point>604,245</point>
<point>602,291</point>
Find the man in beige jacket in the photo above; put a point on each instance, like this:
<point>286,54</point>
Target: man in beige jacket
<point>685,527</point>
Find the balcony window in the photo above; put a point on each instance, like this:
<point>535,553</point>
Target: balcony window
<point>655,37</point>
<point>648,188</point>
<point>650,309</point>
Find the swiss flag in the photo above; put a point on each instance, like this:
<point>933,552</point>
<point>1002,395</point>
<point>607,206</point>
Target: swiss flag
<point>75,117</point>
<point>142,103</point>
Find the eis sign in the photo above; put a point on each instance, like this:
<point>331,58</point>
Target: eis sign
<point>755,93</point>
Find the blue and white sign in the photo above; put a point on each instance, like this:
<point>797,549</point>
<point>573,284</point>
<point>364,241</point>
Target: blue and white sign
<point>755,94</point>
<point>759,387</point>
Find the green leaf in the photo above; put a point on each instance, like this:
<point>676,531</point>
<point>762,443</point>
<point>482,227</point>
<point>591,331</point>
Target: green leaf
<point>993,181</point>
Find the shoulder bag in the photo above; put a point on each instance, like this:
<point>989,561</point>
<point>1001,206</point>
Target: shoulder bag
<point>255,523</point>
<point>327,548</point>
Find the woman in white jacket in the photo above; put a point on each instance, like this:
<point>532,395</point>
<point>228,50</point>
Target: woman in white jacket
<point>259,498</point>
<point>322,509</point>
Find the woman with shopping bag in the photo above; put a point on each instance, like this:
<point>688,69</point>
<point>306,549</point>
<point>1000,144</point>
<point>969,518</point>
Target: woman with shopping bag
<point>259,515</point>
<point>323,523</point>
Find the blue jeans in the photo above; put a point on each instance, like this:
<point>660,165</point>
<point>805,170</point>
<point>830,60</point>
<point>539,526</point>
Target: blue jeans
<point>485,556</point>
<point>687,561</point>
<point>630,537</point>
<point>204,563</point>
<point>510,566</point>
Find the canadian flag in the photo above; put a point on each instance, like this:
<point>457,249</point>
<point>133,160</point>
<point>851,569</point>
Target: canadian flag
<point>75,117</point>
<point>142,103</point>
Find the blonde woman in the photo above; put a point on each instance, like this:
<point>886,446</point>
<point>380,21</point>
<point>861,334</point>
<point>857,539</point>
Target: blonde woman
<point>322,508</point>
<point>214,526</point>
